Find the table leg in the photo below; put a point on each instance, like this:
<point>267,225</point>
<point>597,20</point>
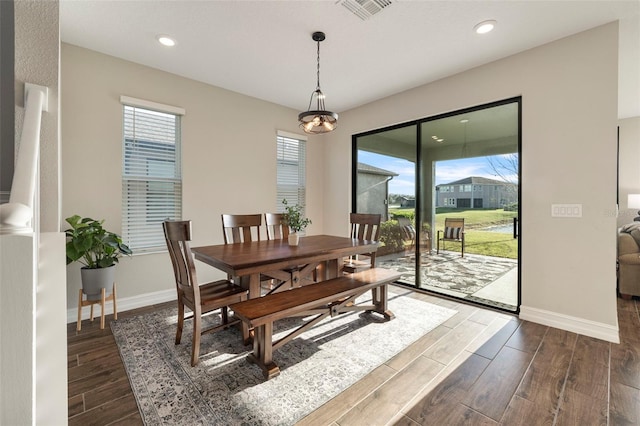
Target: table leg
<point>263,351</point>
<point>321,271</point>
<point>332,268</point>
<point>382,303</point>
<point>251,283</point>
<point>254,286</point>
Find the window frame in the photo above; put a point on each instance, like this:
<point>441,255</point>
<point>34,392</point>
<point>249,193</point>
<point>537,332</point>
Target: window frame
<point>138,225</point>
<point>300,166</point>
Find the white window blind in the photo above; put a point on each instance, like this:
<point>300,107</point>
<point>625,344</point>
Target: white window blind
<point>291,175</point>
<point>151,176</point>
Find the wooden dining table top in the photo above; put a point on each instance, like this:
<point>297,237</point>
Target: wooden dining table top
<point>257,256</point>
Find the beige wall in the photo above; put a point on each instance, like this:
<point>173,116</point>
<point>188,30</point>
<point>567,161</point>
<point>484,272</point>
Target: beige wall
<point>228,157</point>
<point>569,98</point>
<point>569,111</point>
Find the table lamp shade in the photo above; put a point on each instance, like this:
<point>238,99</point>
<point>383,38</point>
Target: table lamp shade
<point>633,202</point>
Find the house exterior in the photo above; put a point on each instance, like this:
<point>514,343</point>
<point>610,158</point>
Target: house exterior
<point>476,193</point>
<point>373,190</point>
<point>407,202</point>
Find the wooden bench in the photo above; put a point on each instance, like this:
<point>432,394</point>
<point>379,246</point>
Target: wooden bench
<point>330,297</point>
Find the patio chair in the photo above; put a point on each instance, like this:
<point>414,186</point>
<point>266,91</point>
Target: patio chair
<point>200,298</point>
<point>453,231</point>
<point>363,227</point>
<point>408,230</point>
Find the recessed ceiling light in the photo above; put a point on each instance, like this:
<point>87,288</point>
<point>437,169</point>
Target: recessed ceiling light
<point>464,120</point>
<point>440,140</point>
<point>484,27</point>
<point>166,40</point>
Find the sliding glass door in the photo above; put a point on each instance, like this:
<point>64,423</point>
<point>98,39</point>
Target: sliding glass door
<point>385,183</point>
<point>448,191</point>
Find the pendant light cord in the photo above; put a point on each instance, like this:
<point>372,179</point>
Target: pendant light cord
<point>318,85</point>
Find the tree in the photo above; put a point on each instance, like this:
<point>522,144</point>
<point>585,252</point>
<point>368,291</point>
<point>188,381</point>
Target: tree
<point>505,167</point>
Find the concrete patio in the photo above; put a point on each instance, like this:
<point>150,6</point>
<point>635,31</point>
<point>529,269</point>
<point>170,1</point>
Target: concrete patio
<point>488,280</point>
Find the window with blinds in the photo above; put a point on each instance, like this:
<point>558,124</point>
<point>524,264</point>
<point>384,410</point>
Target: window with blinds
<point>151,176</point>
<point>291,174</point>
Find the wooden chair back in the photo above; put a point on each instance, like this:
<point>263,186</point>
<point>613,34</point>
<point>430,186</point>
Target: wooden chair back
<point>239,228</point>
<point>277,228</point>
<point>365,226</point>
<point>177,235</point>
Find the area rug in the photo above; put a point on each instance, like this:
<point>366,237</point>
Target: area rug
<point>224,389</point>
<point>450,271</point>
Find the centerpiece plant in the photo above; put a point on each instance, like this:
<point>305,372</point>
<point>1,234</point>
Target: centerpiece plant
<point>295,219</point>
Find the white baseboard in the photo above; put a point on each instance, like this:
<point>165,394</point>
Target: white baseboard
<point>576,325</point>
<point>125,304</point>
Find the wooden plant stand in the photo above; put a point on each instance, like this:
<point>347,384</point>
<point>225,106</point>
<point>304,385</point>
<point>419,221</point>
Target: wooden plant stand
<point>104,298</point>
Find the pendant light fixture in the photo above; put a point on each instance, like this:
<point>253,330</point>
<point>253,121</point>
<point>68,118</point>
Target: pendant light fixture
<point>318,120</point>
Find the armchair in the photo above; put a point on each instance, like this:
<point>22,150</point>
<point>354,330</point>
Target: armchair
<point>629,261</point>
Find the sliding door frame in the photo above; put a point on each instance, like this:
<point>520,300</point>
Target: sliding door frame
<point>418,173</point>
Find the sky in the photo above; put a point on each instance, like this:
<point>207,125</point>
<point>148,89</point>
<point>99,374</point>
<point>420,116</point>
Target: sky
<point>446,171</point>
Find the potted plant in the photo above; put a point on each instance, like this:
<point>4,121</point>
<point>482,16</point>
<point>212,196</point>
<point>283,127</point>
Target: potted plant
<point>295,220</point>
<point>98,250</point>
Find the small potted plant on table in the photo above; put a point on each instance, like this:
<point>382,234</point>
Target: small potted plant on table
<point>295,220</point>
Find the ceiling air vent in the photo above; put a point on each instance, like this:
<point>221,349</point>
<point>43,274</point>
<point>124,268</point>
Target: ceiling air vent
<point>365,9</point>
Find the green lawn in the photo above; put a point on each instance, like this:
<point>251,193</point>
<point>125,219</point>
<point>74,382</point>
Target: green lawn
<point>478,241</point>
<point>475,218</point>
<point>487,243</point>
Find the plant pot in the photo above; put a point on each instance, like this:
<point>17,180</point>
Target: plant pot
<point>294,239</point>
<point>94,280</point>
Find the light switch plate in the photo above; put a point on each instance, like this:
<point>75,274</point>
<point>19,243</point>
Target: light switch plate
<point>566,210</point>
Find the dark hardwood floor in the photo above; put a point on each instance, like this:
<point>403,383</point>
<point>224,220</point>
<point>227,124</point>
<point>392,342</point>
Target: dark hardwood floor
<point>479,367</point>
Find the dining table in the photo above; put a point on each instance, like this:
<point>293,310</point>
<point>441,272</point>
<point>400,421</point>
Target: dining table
<point>316,258</point>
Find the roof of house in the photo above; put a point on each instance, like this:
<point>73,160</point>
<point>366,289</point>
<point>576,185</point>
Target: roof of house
<point>366,168</point>
<point>477,180</point>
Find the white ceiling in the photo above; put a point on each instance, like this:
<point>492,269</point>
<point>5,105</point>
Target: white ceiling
<point>264,48</point>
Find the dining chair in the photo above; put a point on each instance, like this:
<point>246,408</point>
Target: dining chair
<point>277,228</point>
<point>239,228</point>
<point>200,298</point>
<point>364,226</point>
